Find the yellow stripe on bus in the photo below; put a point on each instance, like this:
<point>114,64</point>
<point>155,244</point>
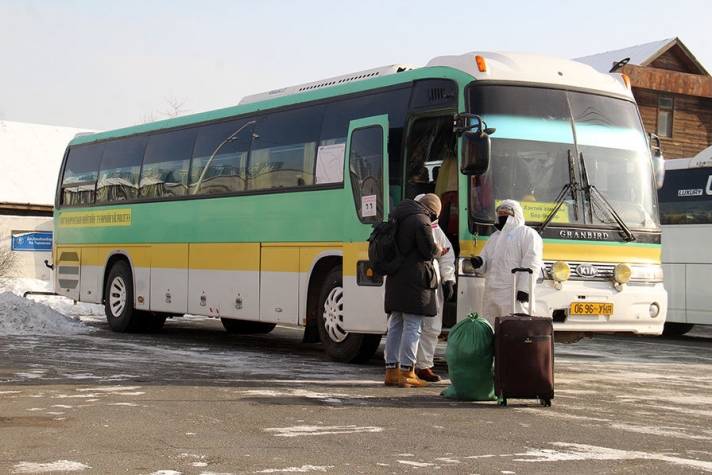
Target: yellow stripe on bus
<point>585,251</point>
<point>272,257</point>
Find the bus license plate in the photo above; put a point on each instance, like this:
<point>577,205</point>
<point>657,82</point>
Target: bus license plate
<point>591,308</point>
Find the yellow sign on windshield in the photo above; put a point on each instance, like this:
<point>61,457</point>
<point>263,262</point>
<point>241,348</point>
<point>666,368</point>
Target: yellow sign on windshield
<point>534,211</point>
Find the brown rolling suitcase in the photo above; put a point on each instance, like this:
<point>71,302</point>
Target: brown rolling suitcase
<point>523,354</point>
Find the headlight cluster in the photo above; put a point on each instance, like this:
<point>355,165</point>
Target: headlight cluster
<point>646,273</point>
<point>560,271</point>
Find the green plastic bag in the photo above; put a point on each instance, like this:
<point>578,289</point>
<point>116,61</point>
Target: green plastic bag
<point>470,360</point>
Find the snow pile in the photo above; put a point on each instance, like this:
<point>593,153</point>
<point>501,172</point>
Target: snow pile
<point>53,315</point>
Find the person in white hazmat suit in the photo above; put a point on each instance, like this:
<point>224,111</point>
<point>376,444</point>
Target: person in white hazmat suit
<point>445,269</point>
<point>513,245</point>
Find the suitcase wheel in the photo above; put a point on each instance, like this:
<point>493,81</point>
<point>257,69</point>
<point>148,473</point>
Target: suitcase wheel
<point>502,401</point>
<point>545,402</point>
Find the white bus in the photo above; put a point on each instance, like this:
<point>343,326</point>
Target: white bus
<point>686,218</point>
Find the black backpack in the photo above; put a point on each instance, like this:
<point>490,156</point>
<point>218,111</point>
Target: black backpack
<point>383,250</point>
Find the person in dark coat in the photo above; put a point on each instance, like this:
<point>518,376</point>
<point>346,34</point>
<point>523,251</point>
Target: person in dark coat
<point>410,292</point>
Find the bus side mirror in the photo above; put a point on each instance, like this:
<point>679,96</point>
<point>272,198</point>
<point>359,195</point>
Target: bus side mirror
<point>659,170</point>
<point>656,156</point>
<point>476,152</point>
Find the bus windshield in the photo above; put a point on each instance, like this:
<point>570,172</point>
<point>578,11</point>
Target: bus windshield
<point>589,151</point>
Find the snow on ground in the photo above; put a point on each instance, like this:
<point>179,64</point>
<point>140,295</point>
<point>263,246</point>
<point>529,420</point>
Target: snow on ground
<point>42,314</point>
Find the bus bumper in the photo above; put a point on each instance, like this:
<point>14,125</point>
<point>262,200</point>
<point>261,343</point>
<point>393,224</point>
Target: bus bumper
<point>637,308</point>
<point>632,305</point>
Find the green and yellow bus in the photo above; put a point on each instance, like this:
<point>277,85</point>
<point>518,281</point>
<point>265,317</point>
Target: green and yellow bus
<point>258,214</point>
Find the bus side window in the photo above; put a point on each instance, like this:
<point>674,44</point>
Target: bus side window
<point>120,169</point>
<point>283,152</point>
<point>219,163</point>
<point>166,163</point>
<point>80,174</point>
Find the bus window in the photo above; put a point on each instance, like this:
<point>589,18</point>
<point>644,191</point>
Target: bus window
<point>120,169</point>
<point>166,164</point>
<point>686,196</point>
<point>366,167</point>
<point>80,174</point>
<point>431,140</point>
<point>219,161</point>
<point>338,114</point>
<point>284,149</point>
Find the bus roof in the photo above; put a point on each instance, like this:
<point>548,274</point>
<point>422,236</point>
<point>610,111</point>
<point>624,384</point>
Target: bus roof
<point>310,86</point>
<point>501,66</point>
<point>534,68</point>
<point>513,67</point>
<point>701,160</point>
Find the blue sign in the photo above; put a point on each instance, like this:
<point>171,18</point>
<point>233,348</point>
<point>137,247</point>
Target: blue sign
<point>32,242</point>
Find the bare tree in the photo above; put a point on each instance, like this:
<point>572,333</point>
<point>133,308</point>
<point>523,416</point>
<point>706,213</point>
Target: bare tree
<point>174,109</point>
<point>8,262</point>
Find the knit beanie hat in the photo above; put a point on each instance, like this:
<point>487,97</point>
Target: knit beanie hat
<point>430,200</point>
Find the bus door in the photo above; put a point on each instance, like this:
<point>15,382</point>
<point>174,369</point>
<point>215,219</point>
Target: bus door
<point>366,177</point>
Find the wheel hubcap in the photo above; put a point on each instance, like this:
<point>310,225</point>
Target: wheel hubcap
<point>334,315</point>
<point>117,297</point>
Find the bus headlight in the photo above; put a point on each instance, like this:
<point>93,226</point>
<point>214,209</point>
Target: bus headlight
<point>646,273</point>
<point>560,271</point>
<point>622,273</point>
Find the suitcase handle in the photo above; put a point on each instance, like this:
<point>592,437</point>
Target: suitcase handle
<point>515,271</point>
<point>522,269</point>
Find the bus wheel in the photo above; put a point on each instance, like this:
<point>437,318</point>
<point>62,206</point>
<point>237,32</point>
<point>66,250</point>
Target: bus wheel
<point>243,326</point>
<point>339,345</point>
<point>118,300</point>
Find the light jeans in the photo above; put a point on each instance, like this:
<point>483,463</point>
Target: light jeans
<point>402,338</point>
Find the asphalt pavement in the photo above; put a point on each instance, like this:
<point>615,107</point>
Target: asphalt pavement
<point>194,399</point>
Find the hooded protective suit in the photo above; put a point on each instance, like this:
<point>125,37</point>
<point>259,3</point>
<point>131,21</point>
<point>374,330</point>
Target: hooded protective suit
<point>516,245</point>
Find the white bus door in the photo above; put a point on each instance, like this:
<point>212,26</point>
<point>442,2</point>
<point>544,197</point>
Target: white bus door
<point>366,176</point>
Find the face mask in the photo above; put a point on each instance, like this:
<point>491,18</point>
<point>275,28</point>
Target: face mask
<point>501,221</point>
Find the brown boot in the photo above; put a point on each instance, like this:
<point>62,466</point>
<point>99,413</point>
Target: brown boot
<point>392,376</point>
<point>408,379</point>
<point>428,375</point>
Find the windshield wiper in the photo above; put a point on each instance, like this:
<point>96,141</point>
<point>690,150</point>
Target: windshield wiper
<point>603,204</point>
<point>571,186</point>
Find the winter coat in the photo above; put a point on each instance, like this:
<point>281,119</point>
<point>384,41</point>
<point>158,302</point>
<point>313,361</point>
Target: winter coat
<point>516,245</point>
<point>411,289</point>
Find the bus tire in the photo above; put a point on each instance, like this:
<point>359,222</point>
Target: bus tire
<point>676,328</point>
<point>243,326</point>
<point>339,345</point>
<point>118,300</point>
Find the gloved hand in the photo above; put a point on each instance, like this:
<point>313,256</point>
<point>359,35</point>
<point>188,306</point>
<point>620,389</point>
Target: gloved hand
<point>522,297</point>
<point>448,289</point>
<point>476,262</point>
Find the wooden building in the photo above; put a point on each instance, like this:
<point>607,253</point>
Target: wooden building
<point>673,91</point>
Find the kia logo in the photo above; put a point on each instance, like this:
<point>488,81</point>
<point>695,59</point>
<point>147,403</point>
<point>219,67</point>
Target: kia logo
<point>586,270</point>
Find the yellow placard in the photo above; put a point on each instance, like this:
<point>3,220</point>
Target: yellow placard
<point>534,211</point>
<point>88,219</point>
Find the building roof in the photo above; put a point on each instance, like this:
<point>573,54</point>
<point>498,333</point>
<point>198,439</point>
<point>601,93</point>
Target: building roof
<point>640,55</point>
<point>30,157</point>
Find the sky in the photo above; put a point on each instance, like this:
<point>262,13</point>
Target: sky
<point>100,64</point>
